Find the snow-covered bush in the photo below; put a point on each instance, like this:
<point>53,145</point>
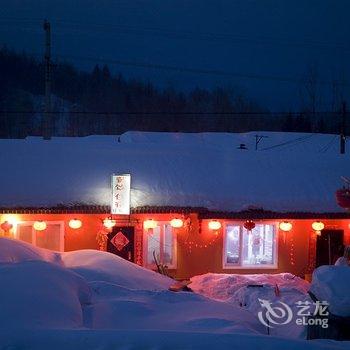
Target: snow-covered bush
<point>222,286</point>
<point>239,291</point>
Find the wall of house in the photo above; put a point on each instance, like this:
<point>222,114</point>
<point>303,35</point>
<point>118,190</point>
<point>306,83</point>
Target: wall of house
<point>199,250</point>
<point>293,249</point>
<point>82,238</point>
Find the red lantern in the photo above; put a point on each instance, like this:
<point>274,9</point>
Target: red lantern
<point>6,226</point>
<point>249,225</point>
<point>343,198</point>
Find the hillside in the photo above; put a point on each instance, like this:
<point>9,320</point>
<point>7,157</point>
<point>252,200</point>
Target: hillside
<point>97,102</point>
<point>101,103</point>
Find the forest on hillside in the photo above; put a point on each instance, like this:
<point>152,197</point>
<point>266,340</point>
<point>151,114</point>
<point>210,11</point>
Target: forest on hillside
<point>98,102</point>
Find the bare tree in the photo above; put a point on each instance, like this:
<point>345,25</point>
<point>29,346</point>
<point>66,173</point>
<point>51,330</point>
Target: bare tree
<point>310,93</point>
<point>311,88</point>
<point>338,90</point>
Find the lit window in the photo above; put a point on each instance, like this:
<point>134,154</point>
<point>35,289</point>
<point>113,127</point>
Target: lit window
<point>161,242</point>
<point>232,245</point>
<point>51,238</point>
<point>250,249</point>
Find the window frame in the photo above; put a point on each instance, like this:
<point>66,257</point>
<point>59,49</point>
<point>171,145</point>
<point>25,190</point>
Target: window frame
<point>240,266</point>
<point>161,225</point>
<point>31,223</point>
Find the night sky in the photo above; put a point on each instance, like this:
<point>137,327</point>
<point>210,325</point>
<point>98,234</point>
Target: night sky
<point>261,47</point>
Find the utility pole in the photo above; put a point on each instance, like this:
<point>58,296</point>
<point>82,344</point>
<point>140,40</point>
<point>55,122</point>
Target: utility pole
<point>46,127</point>
<point>258,138</point>
<point>342,129</point>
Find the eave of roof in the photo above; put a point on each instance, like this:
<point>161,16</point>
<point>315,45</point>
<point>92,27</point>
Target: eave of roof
<point>203,213</point>
<point>98,209</point>
<point>266,215</point>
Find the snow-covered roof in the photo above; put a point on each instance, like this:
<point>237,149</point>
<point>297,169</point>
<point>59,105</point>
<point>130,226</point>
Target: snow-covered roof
<point>289,172</point>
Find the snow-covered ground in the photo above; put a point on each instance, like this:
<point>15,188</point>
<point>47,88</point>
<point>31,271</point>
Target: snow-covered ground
<point>96,300</point>
<point>289,172</point>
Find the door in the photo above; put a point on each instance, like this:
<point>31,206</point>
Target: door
<point>327,246</point>
<point>121,242</point>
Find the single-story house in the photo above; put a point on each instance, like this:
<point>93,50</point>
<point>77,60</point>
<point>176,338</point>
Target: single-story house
<point>199,202</point>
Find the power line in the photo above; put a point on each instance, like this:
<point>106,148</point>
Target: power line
<point>203,36</point>
<point>267,114</point>
<point>193,70</point>
<point>290,142</point>
<point>325,148</point>
<point>207,36</point>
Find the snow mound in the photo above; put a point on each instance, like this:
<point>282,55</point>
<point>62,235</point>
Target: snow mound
<point>224,286</point>
<point>96,265</point>
<point>116,307</point>
<point>37,294</point>
<point>245,291</point>
<point>13,250</point>
<point>100,291</point>
<point>332,284</point>
<point>249,298</point>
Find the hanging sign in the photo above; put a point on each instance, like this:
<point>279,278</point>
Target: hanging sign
<point>121,194</point>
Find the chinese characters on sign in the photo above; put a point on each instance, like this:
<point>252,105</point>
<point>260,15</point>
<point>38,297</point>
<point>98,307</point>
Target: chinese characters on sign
<point>121,194</point>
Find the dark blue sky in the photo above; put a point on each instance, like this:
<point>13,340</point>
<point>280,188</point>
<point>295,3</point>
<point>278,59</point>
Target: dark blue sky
<point>264,46</point>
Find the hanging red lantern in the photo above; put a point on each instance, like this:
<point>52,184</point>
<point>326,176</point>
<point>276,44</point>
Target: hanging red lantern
<point>249,225</point>
<point>6,226</point>
<point>343,198</point>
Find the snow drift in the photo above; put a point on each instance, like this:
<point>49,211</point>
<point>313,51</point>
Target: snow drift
<point>107,267</point>
<point>98,290</point>
<point>91,299</point>
<point>121,308</point>
<point>12,251</point>
<point>332,284</point>
<point>37,294</point>
<point>91,264</point>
